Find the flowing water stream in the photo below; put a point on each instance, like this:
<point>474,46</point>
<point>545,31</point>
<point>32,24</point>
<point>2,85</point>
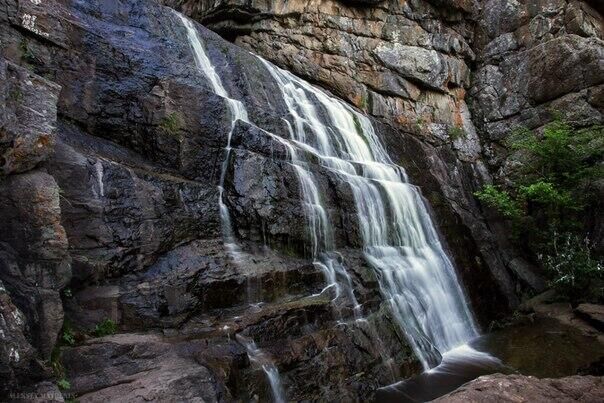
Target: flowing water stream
<point>257,356</point>
<point>400,242</point>
<point>238,112</point>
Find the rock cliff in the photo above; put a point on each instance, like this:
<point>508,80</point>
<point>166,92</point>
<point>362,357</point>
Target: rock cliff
<point>111,148</point>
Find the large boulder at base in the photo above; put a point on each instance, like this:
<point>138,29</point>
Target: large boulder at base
<point>518,388</point>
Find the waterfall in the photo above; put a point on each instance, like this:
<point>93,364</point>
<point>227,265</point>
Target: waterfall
<point>237,111</point>
<point>400,242</point>
<point>258,357</point>
<point>321,237</point>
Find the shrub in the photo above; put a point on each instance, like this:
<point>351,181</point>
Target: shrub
<point>547,196</point>
<point>500,200</point>
<point>456,133</point>
<point>574,271</point>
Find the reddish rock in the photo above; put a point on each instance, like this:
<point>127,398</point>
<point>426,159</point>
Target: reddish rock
<point>519,389</point>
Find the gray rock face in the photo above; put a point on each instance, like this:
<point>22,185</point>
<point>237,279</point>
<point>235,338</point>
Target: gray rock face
<point>533,60</point>
<point>27,117</point>
<point>17,354</point>
<point>34,261</point>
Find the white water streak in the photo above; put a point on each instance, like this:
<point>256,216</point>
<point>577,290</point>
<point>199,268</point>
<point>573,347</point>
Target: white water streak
<point>400,242</point>
<point>258,357</point>
<point>238,112</point>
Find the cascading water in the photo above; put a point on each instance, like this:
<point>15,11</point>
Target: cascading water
<point>399,239</point>
<point>238,112</point>
<point>321,236</point>
<point>400,242</point>
<point>272,373</point>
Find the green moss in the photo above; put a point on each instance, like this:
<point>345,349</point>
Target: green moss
<point>359,129</point>
<point>26,54</point>
<point>16,95</point>
<point>172,123</point>
<point>357,124</point>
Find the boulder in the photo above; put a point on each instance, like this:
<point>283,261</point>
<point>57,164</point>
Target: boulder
<point>518,388</point>
<point>593,314</point>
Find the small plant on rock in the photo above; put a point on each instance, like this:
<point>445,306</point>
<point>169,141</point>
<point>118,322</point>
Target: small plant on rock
<point>105,328</point>
<point>172,123</point>
<point>456,133</point>
<point>26,52</point>
<point>68,336</point>
<point>63,384</point>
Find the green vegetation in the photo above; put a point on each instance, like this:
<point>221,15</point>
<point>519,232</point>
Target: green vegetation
<point>501,200</point>
<point>547,201</point>
<point>366,101</point>
<point>172,123</point>
<point>105,328</point>
<point>26,53</point>
<point>420,122</point>
<point>55,362</point>
<point>57,368</point>
<point>16,95</point>
<point>574,269</point>
<point>67,291</point>
<point>359,128</point>
<point>456,133</point>
<point>63,384</point>
<point>68,336</point>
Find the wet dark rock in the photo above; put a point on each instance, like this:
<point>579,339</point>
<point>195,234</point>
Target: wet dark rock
<point>34,260</point>
<point>17,356</point>
<point>102,184</point>
<point>157,368</point>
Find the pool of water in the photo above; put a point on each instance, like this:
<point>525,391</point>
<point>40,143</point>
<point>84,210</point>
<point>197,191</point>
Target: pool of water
<point>544,348</point>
